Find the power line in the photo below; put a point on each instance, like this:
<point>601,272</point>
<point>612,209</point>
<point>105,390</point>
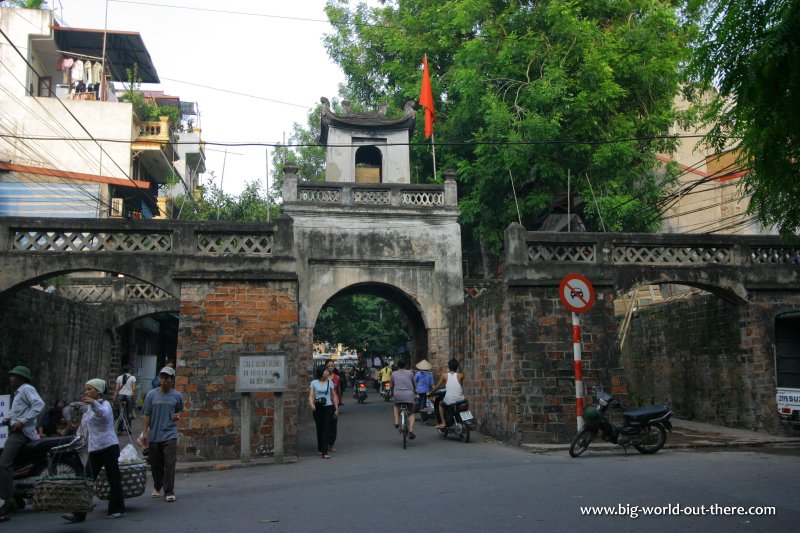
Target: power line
<point>237,93</point>
<point>124,173</point>
<point>267,144</point>
<point>222,11</point>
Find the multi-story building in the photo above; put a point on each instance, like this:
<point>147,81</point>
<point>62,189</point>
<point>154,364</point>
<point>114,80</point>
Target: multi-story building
<point>69,147</point>
<point>707,198</point>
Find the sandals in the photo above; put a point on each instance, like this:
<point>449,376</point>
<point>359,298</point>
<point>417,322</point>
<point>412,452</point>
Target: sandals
<point>326,456</point>
<point>333,448</point>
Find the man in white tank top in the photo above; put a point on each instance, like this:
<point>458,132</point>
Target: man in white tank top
<point>453,382</point>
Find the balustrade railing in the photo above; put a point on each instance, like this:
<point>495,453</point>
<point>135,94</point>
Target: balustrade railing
<point>149,237</point>
<point>620,249</point>
<point>108,290</point>
<point>398,195</point>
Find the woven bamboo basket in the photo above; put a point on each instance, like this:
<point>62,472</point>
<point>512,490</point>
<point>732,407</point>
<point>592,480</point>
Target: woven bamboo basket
<point>63,494</point>
<point>134,478</point>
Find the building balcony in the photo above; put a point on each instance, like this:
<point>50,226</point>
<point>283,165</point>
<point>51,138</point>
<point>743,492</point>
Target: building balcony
<point>153,147</point>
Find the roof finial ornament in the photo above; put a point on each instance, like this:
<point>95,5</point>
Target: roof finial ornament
<point>325,103</point>
<point>348,109</point>
<point>382,107</point>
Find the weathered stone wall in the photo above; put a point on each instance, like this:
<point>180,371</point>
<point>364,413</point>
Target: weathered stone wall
<point>516,345</point>
<point>711,360</point>
<point>220,321</point>
<point>480,339</point>
<point>63,343</point>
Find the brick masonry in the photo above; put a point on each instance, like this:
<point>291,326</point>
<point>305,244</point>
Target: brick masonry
<point>63,343</point>
<point>516,348</point>
<point>710,360</point>
<point>220,321</point>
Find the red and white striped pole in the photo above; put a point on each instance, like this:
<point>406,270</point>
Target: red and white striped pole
<point>576,351</point>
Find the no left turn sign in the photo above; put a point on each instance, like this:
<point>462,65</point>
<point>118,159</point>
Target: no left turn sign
<point>577,293</point>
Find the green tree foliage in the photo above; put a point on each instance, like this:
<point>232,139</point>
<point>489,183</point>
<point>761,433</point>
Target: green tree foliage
<point>530,90</point>
<point>751,55</point>
<point>215,204</point>
<point>303,150</point>
<point>29,4</point>
<point>362,322</point>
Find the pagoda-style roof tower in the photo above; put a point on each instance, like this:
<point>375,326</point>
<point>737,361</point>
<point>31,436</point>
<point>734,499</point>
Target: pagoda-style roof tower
<point>366,147</point>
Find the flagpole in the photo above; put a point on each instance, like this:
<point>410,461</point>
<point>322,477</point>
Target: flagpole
<point>433,145</point>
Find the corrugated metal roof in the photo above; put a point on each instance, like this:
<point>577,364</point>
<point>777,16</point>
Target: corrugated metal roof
<point>124,49</point>
<point>49,200</point>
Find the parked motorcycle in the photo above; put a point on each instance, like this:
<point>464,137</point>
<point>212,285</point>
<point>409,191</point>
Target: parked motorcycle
<point>458,418</point>
<point>386,390</point>
<point>644,428</point>
<point>360,392</point>
<point>48,455</point>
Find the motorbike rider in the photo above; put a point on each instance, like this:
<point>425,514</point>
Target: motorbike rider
<point>360,374</point>
<point>453,382</point>
<point>21,422</point>
<point>386,372</point>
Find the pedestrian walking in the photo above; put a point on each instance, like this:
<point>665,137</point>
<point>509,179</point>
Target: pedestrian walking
<point>333,376</point>
<point>325,406</point>
<point>21,422</point>
<point>125,392</point>
<point>103,448</point>
<point>162,407</point>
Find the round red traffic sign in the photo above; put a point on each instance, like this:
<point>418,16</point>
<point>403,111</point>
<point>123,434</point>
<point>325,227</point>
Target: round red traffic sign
<point>577,293</point>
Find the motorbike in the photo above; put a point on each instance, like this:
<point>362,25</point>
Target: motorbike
<point>360,392</point>
<point>46,456</point>
<point>644,428</point>
<point>458,419</point>
<point>386,391</point>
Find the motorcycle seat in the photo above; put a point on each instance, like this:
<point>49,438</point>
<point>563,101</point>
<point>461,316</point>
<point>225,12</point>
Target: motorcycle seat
<point>643,414</point>
<point>45,443</point>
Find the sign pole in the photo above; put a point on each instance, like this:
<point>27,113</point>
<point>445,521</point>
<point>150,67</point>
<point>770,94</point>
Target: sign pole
<point>576,351</point>
<point>277,429</point>
<point>577,295</point>
<point>245,452</point>
<point>262,373</point>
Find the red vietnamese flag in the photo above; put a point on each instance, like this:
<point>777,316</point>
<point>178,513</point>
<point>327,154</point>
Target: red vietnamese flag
<point>426,98</point>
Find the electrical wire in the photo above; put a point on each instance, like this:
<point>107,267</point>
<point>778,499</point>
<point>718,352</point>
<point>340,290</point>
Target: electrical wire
<point>83,127</point>
<point>278,144</point>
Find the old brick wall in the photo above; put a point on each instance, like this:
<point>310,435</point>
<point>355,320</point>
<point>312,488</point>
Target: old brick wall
<point>710,360</point>
<point>480,339</point>
<point>221,320</point>
<point>516,345</point>
<point>63,343</point>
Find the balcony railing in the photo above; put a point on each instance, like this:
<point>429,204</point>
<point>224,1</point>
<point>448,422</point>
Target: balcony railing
<point>401,195</point>
<point>155,131</point>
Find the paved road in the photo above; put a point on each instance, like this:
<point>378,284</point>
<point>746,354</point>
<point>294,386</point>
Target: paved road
<point>371,484</point>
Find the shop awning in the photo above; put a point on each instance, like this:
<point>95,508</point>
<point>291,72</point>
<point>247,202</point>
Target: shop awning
<point>124,49</point>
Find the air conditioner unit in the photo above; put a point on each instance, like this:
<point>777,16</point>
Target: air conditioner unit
<point>116,208</point>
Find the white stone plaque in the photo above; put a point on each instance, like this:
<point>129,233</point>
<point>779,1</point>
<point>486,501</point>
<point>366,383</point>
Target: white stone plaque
<point>5,407</point>
<point>261,373</point>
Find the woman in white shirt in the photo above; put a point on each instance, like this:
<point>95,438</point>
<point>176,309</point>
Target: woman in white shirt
<point>103,448</point>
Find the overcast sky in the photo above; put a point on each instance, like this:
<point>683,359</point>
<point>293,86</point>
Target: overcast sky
<point>268,49</point>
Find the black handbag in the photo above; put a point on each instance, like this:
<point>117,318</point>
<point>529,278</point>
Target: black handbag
<point>323,401</point>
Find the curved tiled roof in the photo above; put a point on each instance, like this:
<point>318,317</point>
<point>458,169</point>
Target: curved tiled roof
<point>366,121</point>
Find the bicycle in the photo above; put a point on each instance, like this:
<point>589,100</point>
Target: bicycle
<point>404,422</point>
<point>122,423</point>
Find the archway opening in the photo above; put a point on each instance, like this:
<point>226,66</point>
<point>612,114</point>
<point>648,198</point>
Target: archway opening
<point>369,162</point>
<point>69,326</point>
